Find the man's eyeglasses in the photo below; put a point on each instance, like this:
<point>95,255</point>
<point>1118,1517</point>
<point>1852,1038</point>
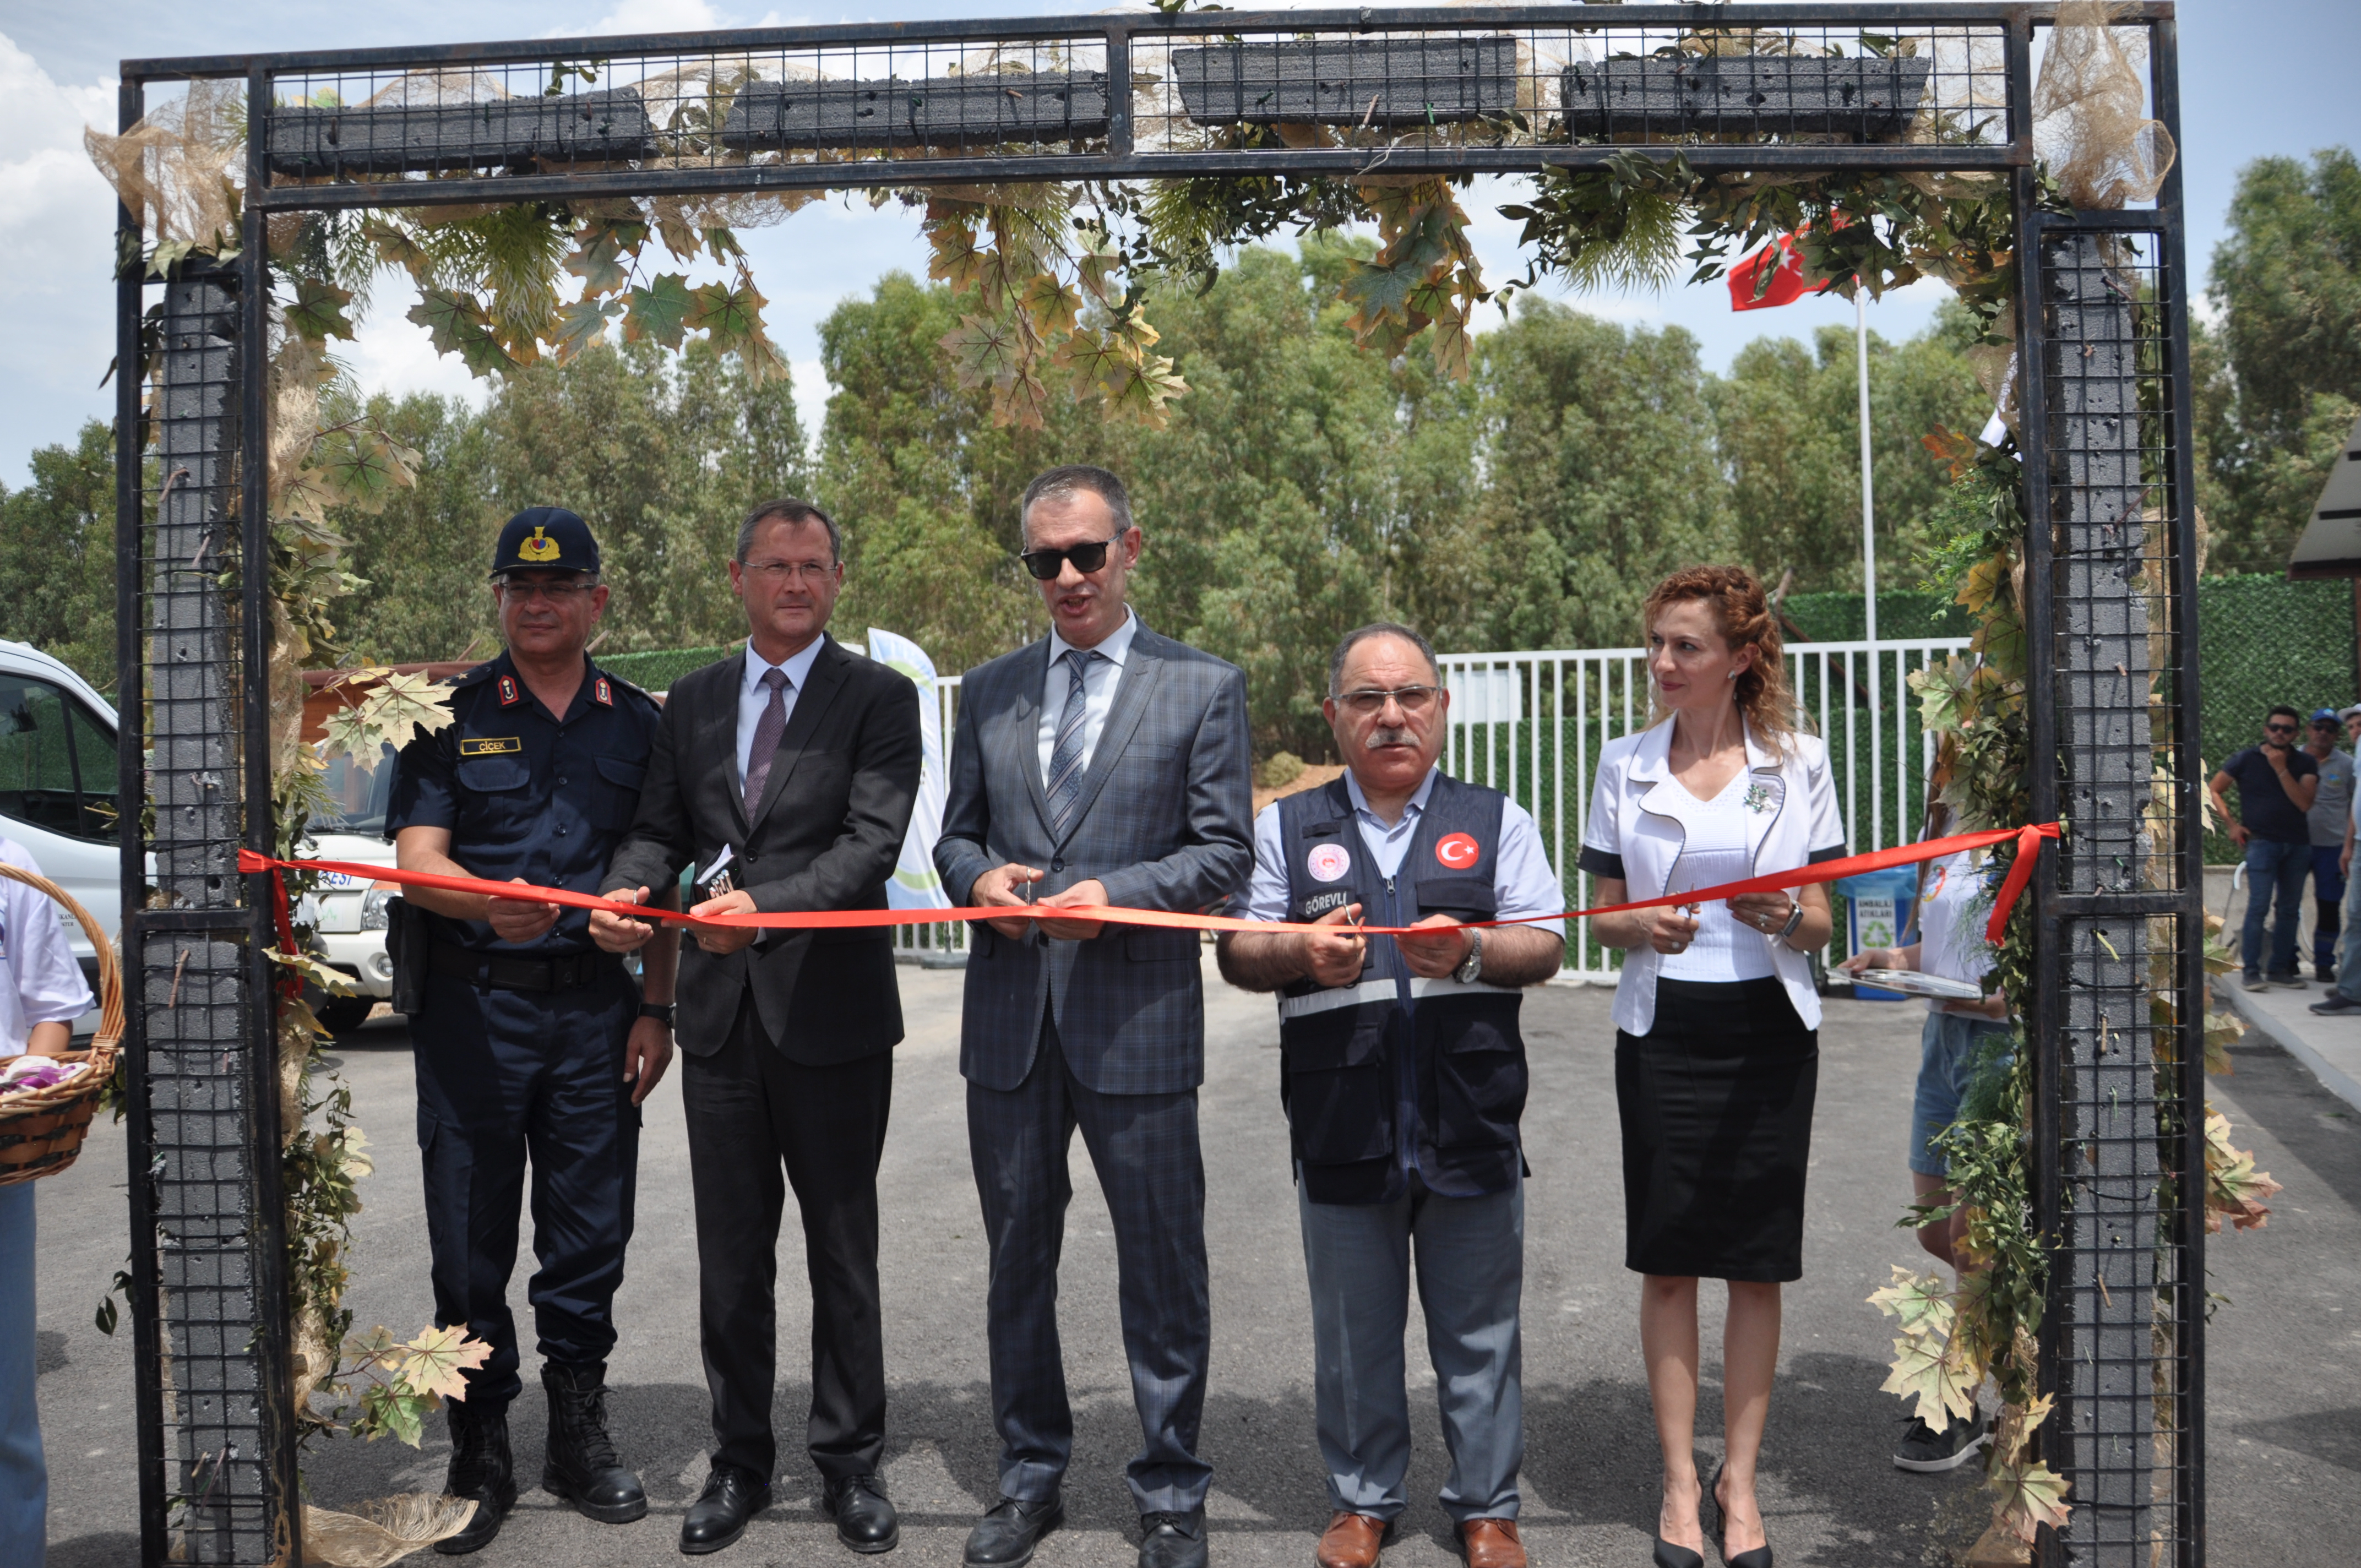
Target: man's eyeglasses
<point>558,594</point>
<point>1046,565</point>
<point>774,572</point>
<point>1372,700</point>
<point>2278,729</point>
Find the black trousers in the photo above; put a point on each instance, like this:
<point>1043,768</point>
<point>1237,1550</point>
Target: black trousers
<point>757,1125</point>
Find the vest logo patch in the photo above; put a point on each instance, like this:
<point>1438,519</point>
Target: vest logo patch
<point>1328,863</point>
<point>1458,851</point>
<point>492,746</point>
<point>1319,903</point>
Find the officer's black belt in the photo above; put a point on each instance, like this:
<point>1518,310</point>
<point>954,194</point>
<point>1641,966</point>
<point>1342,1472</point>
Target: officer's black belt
<point>503,971</point>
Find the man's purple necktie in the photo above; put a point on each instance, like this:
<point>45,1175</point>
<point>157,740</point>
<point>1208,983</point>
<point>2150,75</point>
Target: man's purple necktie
<point>767,730</point>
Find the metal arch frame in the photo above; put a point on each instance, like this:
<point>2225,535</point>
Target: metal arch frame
<point>1120,161</point>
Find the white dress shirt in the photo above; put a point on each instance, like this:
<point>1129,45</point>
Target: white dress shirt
<point>1099,677</point>
<point>753,696</point>
<point>1521,878</point>
<point>39,981</point>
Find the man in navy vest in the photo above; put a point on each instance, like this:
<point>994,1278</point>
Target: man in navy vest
<point>1403,1075</point>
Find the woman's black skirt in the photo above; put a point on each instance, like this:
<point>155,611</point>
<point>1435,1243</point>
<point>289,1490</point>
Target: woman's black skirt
<point>1715,1103</point>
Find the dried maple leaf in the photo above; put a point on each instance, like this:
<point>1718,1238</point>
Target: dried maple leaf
<point>434,1360</point>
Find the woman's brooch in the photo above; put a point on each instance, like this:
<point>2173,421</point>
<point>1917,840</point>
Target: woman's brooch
<point>1758,798</point>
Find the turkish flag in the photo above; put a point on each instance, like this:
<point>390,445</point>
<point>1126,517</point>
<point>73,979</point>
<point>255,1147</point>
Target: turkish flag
<point>1748,292</point>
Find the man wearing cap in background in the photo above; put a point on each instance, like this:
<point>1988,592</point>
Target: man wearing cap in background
<point>2275,781</point>
<point>2332,809</point>
<point>532,1041</point>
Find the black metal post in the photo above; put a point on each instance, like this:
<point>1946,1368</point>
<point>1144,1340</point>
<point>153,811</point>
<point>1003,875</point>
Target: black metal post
<point>131,795</point>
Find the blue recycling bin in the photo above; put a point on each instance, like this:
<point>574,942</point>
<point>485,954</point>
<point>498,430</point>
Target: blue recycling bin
<point>1880,911</point>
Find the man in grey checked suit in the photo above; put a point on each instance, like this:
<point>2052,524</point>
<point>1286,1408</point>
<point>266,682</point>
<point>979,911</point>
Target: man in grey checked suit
<point>1103,764</point>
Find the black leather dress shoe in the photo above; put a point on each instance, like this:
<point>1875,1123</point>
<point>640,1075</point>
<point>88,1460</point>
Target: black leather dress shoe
<point>1005,1537</point>
<point>1172,1540</point>
<point>732,1495</point>
<point>865,1521</point>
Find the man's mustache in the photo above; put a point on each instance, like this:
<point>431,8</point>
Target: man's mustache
<point>1389,737</point>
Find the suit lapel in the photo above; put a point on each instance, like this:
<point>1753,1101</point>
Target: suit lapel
<point>1140,669</point>
<point>827,677</point>
<point>717,739</point>
<point>1022,734</point>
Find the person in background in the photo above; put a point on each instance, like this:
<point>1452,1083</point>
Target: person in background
<point>1960,1040</point>
<point>2275,781</point>
<point>1716,1022</point>
<point>2344,995</point>
<point>41,993</point>
<point>1411,1146</point>
<point>2331,809</point>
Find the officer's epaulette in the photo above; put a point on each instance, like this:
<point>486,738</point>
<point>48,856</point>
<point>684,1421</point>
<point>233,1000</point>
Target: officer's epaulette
<point>508,688</point>
<point>615,684</point>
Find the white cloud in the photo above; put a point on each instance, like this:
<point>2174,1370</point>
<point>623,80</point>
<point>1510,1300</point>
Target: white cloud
<point>57,222</point>
<point>392,354</point>
<point>648,16</point>
<point>812,393</point>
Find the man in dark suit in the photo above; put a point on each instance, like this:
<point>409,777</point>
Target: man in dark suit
<point>788,768</point>
<point>1103,764</point>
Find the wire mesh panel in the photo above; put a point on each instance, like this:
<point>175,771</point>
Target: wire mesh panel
<point>2125,1278</point>
<point>1511,88</point>
<point>217,1226</point>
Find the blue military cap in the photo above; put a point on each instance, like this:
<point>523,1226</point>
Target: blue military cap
<point>550,538</point>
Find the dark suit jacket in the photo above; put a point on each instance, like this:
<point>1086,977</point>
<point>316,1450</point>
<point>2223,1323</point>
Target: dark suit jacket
<point>825,836</point>
<point>1165,822</point>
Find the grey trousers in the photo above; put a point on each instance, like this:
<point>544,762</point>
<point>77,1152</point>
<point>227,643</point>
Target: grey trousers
<point>1470,1256</point>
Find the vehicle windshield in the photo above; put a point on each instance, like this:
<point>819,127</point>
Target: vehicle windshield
<point>361,792</point>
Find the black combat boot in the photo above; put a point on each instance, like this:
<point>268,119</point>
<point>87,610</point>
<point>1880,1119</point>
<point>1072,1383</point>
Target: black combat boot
<point>482,1469</point>
<point>581,1466</point>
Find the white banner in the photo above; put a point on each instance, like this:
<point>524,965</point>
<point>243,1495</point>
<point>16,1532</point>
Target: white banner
<point>917,884</point>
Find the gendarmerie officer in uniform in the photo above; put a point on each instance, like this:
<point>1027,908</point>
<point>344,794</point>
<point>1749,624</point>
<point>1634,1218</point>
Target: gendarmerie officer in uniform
<point>532,1042</point>
<point>1404,1074</point>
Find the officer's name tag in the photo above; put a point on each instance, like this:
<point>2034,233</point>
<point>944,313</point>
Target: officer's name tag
<point>492,746</point>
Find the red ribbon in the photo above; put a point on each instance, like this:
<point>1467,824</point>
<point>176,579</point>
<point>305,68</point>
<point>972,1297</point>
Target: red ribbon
<point>2027,839</point>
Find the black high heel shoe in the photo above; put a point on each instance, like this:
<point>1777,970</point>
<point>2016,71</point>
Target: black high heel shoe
<point>1670,1556</point>
<point>1758,1558</point>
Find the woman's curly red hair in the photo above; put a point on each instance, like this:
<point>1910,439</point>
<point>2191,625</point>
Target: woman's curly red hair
<point>1743,612</point>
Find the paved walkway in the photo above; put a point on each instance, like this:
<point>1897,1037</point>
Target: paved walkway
<point>2285,1375</point>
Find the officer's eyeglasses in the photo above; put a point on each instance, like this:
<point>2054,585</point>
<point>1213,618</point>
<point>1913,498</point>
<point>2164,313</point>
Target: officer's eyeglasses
<point>774,572</point>
<point>557,594</point>
<point>1046,565</point>
<point>1372,700</point>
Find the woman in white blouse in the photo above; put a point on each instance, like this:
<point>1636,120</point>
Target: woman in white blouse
<point>41,993</point>
<point>1717,1048</point>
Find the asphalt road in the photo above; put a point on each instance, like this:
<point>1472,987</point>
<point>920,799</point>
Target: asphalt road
<point>2284,1376</point>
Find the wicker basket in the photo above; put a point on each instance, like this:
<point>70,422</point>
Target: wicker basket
<point>41,1129</point>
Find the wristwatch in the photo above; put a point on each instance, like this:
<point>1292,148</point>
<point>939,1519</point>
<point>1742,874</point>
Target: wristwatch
<point>1473,964</point>
<point>1795,918</point>
<point>659,1011</point>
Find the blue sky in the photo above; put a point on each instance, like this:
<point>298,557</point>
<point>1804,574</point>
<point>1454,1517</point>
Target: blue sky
<point>2260,78</point>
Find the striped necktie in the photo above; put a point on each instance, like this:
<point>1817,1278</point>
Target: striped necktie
<point>1066,756</point>
<point>767,730</point>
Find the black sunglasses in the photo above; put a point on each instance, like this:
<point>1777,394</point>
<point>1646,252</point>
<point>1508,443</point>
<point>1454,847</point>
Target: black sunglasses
<point>1087,558</point>
<point>2268,728</point>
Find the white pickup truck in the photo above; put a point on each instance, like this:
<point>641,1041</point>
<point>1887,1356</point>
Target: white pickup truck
<point>348,911</point>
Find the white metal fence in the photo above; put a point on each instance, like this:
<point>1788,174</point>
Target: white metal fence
<point>1533,724</point>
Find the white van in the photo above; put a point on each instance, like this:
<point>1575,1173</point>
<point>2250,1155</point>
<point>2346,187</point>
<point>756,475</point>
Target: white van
<point>57,788</point>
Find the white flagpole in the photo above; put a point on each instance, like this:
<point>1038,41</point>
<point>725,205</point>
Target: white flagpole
<point>1868,491</point>
<point>1869,579</point>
